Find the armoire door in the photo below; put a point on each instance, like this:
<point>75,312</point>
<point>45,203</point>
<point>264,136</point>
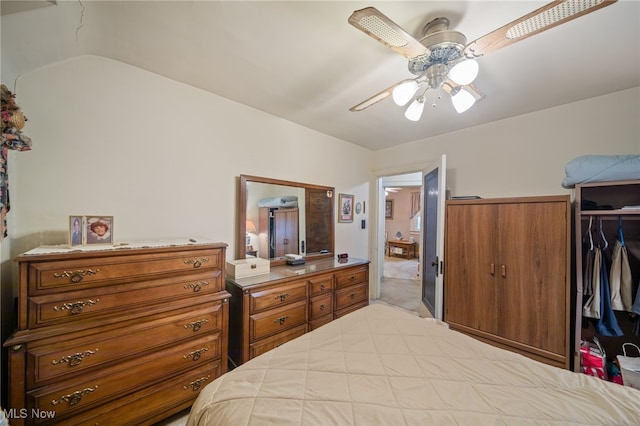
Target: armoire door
<point>471,298</point>
<point>285,232</point>
<point>531,273</point>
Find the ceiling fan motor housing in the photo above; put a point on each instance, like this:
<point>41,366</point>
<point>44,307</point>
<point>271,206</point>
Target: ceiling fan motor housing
<point>445,47</point>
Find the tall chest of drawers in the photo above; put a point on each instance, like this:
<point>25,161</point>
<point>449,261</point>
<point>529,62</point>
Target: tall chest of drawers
<point>117,336</point>
<point>270,309</point>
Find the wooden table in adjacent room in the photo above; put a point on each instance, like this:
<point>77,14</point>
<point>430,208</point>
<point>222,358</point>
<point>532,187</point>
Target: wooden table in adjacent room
<point>408,248</point>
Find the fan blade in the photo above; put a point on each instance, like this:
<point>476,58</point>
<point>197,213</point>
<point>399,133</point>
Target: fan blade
<point>549,16</point>
<point>377,97</point>
<point>375,24</point>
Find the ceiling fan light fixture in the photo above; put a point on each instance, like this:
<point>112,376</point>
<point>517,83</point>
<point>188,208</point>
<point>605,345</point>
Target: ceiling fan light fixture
<point>464,72</point>
<point>404,92</point>
<point>462,100</point>
<point>414,111</point>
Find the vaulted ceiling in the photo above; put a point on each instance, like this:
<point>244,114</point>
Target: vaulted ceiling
<point>302,61</point>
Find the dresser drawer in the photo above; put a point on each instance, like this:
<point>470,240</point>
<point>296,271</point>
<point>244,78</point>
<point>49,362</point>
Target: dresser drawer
<point>85,304</point>
<point>351,295</point>
<point>91,389</point>
<point>272,342</point>
<point>77,274</point>
<point>320,305</point>
<point>277,320</point>
<point>321,284</point>
<point>179,392</point>
<point>56,360</point>
<point>351,276</point>
<point>271,297</point>
<point>319,322</point>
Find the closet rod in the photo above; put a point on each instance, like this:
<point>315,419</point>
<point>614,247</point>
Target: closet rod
<point>625,218</point>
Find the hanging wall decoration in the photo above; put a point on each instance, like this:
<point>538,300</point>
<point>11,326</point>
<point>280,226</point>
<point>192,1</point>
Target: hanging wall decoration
<point>345,201</point>
<point>13,120</point>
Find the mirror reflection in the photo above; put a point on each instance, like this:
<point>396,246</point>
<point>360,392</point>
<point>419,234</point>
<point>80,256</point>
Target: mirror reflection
<point>283,217</point>
<point>277,215</point>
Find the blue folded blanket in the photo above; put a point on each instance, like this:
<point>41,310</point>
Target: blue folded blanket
<point>601,168</point>
<point>285,201</point>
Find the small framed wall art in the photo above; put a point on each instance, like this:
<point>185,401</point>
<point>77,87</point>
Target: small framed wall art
<point>388,209</point>
<point>345,202</point>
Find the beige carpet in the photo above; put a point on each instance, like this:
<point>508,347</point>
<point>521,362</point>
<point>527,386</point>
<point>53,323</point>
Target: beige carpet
<point>400,285</point>
<point>398,267</point>
<point>401,292</point>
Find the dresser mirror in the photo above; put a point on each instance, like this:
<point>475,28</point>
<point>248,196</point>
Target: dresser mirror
<point>278,217</point>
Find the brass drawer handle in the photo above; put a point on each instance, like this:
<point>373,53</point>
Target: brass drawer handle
<point>196,286</point>
<point>196,325</point>
<point>196,262</point>
<point>352,296</point>
<point>75,307</point>
<point>195,355</point>
<point>281,320</point>
<point>196,384</point>
<point>74,398</point>
<point>322,307</point>
<point>282,297</point>
<point>352,277</point>
<point>76,276</point>
<point>75,359</point>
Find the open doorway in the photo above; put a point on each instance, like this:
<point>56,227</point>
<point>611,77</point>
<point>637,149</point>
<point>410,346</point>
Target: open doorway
<point>431,179</point>
<point>400,283</point>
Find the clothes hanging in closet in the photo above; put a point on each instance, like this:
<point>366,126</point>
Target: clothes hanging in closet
<point>598,305</point>
<point>620,278</point>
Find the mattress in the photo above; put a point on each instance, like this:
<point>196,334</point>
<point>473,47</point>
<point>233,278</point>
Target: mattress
<point>383,366</point>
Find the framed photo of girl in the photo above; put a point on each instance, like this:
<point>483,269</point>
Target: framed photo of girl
<point>76,225</point>
<point>99,230</point>
<point>345,203</point>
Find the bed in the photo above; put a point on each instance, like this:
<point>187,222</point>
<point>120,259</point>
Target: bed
<point>383,366</point>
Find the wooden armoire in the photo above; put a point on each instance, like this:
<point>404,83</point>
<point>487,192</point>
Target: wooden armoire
<point>507,274</point>
<point>277,232</point>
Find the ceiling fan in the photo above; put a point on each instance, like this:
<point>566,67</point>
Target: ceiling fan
<point>442,60</point>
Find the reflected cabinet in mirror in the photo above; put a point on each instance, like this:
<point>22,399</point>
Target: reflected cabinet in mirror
<point>278,217</point>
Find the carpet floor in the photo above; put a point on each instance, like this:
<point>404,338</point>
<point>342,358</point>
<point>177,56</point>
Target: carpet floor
<point>400,285</point>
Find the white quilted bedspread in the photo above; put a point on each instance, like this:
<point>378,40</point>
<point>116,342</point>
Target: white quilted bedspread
<point>382,366</point>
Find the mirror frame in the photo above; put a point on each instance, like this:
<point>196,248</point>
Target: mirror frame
<point>242,214</point>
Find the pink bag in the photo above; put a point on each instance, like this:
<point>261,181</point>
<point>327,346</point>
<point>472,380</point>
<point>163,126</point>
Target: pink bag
<point>593,359</point>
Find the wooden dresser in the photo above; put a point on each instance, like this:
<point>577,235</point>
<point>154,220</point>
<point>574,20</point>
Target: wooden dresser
<point>118,335</point>
<point>270,309</point>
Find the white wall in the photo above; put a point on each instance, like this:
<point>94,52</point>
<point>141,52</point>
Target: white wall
<point>526,155</point>
<point>160,156</point>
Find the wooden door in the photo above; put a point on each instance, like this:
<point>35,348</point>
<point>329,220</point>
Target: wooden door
<point>285,228</point>
<point>431,254</point>
<point>531,278</point>
<point>470,293</point>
